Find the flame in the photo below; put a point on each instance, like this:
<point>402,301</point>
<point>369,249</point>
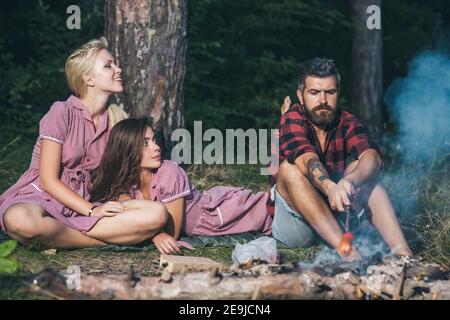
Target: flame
<point>345,246</point>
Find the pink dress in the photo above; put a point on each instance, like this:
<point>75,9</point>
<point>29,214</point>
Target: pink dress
<point>217,211</point>
<point>69,124</point>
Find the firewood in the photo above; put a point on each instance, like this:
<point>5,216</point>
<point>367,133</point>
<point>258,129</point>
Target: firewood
<point>385,281</point>
<point>176,264</point>
<point>399,289</point>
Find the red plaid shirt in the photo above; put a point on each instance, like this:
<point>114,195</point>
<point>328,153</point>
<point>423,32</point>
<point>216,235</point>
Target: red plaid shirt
<point>346,142</point>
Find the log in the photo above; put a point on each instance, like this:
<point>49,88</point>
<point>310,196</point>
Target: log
<point>389,280</point>
<point>273,282</point>
<point>206,285</point>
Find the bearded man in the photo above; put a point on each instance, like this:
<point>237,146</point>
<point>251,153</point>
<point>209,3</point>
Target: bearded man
<point>328,167</point>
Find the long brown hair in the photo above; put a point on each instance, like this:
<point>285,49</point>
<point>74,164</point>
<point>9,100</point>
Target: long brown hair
<point>120,166</point>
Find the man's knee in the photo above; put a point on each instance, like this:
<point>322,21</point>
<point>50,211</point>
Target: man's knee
<point>20,221</point>
<point>365,192</point>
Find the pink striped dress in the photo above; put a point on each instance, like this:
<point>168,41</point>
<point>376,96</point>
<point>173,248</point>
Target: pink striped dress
<point>217,211</point>
<point>69,124</point>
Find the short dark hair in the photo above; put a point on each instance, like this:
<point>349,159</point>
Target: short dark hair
<point>319,68</point>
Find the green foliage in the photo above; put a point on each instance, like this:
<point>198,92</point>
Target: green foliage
<point>7,247</point>
<point>15,154</point>
<point>34,45</point>
<point>434,223</point>
<point>408,28</point>
<point>241,68</point>
<point>8,265</point>
<point>243,56</point>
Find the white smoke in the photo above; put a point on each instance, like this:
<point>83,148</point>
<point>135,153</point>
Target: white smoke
<point>420,103</point>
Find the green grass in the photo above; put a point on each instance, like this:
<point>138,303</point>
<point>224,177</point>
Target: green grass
<point>15,156</point>
<point>247,176</point>
<point>433,224</point>
<point>421,198</point>
<point>21,294</point>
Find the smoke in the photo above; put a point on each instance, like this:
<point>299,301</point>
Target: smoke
<point>420,104</point>
<point>367,241</point>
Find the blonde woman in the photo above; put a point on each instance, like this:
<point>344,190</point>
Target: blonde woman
<point>50,201</point>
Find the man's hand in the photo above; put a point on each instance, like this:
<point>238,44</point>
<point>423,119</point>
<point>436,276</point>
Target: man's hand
<point>339,195</point>
<point>286,105</point>
<point>166,244</point>
<point>349,187</point>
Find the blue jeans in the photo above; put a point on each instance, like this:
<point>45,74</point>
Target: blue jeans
<point>290,228</point>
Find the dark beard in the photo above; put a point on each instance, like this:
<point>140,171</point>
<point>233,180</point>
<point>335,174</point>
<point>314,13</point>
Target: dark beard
<point>324,121</point>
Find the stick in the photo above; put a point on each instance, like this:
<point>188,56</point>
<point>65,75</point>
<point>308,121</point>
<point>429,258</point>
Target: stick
<point>399,288</point>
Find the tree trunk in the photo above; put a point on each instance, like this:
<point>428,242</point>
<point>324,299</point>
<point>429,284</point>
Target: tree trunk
<point>367,85</point>
<point>148,39</point>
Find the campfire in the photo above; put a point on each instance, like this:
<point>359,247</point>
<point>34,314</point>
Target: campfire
<point>393,278</point>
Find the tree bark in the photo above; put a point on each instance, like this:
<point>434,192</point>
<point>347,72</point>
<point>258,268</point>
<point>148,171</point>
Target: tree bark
<point>367,84</point>
<point>148,39</point>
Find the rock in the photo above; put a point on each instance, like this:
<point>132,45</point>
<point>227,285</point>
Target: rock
<point>49,252</point>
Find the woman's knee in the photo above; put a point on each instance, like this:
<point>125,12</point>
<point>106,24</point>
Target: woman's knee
<point>162,215</point>
<point>156,215</point>
<point>21,221</point>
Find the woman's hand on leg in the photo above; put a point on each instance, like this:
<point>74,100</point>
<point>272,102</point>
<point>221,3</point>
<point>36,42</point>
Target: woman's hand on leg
<point>109,209</point>
<point>133,226</point>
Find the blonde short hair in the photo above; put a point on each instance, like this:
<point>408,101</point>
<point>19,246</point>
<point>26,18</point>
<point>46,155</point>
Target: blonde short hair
<point>81,63</point>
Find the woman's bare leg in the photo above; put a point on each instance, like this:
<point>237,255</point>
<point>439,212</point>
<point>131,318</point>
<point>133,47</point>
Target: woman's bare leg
<point>27,223</point>
<point>141,221</point>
